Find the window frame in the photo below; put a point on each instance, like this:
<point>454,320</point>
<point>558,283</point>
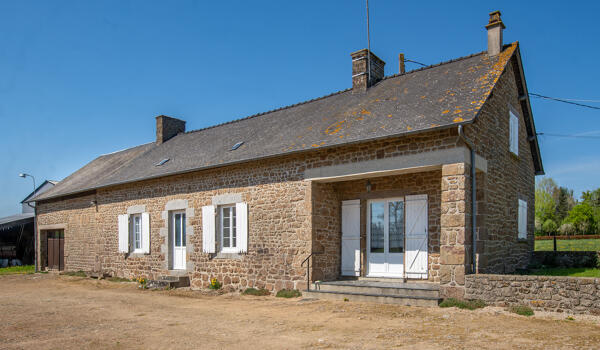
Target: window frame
<point>231,248</point>
<point>183,224</point>
<point>134,241</point>
<point>513,138</point>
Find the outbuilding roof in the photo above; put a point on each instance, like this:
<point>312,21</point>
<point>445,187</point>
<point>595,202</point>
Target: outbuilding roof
<point>433,97</point>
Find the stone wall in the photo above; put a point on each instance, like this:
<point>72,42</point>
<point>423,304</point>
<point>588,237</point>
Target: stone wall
<point>508,179</point>
<point>546,293</point>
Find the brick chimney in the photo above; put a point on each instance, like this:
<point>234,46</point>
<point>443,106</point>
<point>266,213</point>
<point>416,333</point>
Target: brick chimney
<point>494,32</point>
<point>360,68</point>
<point>167,127</point>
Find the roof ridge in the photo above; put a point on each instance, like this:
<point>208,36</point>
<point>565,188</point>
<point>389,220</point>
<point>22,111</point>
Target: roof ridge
<point>434,65</point>
<point>333,93</point>
<point>270,111</point>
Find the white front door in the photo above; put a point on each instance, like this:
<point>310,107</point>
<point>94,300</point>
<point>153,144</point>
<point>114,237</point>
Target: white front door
<point>385,238</point>
<point>416,236</point>
<point>178,240</point>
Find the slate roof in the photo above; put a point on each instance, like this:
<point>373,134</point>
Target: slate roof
<point>439,96</point>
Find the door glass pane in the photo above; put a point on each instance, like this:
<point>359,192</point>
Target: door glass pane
<point>396,224</point>
<point>226,226</point>
<point>137,229</point>
<point>183,230</point>
<point>233,230</point>
<point>178,230</point>
<point>377,227</point>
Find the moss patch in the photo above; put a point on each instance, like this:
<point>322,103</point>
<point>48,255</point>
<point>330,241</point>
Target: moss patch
<point>521,310</point>
<point>256,292</point>
<point>288,293</point>
<point>463,304</point>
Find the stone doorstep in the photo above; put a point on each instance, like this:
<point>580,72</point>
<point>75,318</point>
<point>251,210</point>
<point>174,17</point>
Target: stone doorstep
<point>375,298</point>
<point>164,282</point>
<point>382,290</point>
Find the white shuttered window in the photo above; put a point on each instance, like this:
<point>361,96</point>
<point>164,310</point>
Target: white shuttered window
<point>225,228</point>
<point>522,219</point>
<point>134,233</point>
<point>514,133</point>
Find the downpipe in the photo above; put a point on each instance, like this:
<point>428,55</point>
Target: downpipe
<point>471,147</point>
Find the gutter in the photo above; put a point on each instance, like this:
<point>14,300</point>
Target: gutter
<point>471,147</point>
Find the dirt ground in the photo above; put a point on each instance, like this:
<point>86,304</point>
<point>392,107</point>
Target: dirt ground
<point>45,311</point>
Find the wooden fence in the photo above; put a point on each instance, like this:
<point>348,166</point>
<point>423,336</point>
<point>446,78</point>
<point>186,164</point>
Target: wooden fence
<point>549,238</point>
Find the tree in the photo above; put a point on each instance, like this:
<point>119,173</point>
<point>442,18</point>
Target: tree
<point>549,227</point>
<point>593,199</point>
<point>545,207</point>
<point>582,216</point>
<point>565,201</point>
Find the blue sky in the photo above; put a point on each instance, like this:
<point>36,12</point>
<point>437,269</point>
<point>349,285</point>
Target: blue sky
<point>84,78</point>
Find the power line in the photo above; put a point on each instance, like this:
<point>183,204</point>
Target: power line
<point>572,136</point>
<point>411,61</point>
<point>562,100</point>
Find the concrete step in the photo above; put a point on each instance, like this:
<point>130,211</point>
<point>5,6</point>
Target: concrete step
<point>164,282</point>
<point>374,298</point>
<point>389,289</point>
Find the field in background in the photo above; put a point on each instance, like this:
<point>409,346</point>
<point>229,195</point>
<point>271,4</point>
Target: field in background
<point>569,245</point>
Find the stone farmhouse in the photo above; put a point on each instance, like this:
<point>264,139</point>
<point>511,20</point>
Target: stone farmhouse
<point>424,175</point>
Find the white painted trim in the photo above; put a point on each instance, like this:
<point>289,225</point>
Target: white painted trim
<point>411,163</point>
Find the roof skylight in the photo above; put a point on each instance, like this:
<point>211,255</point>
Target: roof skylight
<point>162,162</point>
<point>236,146</point>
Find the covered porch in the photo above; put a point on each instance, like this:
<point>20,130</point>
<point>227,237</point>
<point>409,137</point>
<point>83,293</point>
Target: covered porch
<point>404,219</point>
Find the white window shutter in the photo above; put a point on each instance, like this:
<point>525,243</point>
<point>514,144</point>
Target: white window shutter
<point>522,219</point>
<point>208,229</point>
<point>146,233</point>
<point>124,233</point>
<point>514,133</point>
<point>241,212</point>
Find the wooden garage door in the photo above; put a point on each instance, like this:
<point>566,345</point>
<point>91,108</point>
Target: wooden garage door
<point>56,250</point>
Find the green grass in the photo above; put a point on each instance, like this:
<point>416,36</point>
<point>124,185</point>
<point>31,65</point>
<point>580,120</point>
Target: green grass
<point>17,270</point>
<point>118,279</point>
<point>256,292</point>
<point>566,271</point>
<point>521,310</point>
<point>463,304</point>
<point>288,293</point>
<point>75,273</point>
<point>569,245</point>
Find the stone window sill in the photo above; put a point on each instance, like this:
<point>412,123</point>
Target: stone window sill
<point>234,256</point>
<point>522,240</point>
<point>136,255</point>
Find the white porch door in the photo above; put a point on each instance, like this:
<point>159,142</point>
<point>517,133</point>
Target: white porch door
<point>351,238</point>
<point>416,236</point>
<point>178,238</point>
<point>385,238</point>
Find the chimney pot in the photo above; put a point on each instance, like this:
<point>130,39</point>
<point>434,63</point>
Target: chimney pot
<point>494,32</point>
<point>402,68</point>
<point>167,127</point>
<point>360,67</point>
